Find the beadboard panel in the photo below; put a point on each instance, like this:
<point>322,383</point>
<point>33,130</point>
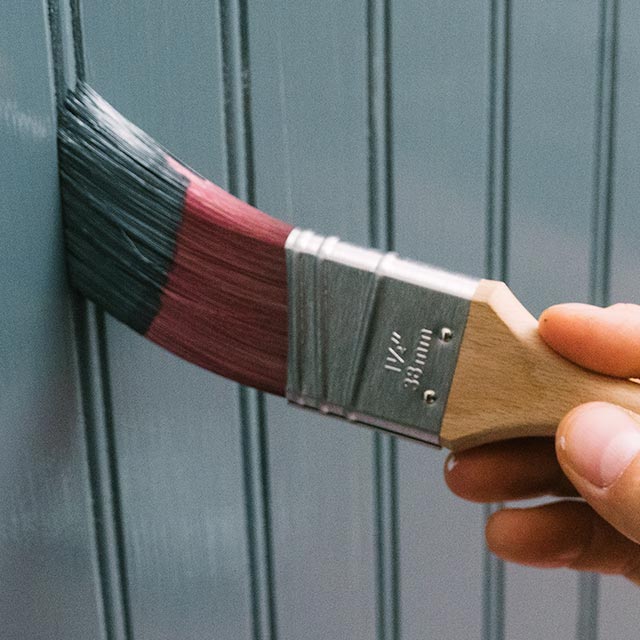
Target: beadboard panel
<point>620,597</point>
<point>439,105</point>
<point>48,570</point>
<point>309,117</point>
<point>183,510</point>
<point>554,78</point>
<point>553,83</point>
<point>175,427</point>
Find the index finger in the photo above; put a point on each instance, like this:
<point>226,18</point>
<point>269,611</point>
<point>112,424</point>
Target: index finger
<point>507,470</point>
<point>603,340</point>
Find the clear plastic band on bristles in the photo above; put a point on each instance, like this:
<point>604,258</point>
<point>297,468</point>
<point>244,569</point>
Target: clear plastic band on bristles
<point>372,337</point>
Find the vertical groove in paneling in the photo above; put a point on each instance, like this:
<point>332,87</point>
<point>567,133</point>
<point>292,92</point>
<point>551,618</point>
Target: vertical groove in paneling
<point>381,235</point>
<point>54,18</point>
<point>604,147</point>
<point>506,139</point>
<point>256,479</point>
<point>587,624</point>
<point>493,588</point>
<point>89,328</point>
<point>588,598</point>
<point>497,250</point>
<point>387,537</point>
<point>241,182</point>
<point>78,40</point>
<point>100,437</point>
<point>379,125</point>
<point>490,257</point>
<point>113,494</point>
<point>93,373</point>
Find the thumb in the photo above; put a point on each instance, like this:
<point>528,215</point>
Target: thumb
<point>598,446</point>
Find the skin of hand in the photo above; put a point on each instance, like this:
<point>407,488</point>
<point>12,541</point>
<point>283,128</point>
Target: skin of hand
<point>593,465</point>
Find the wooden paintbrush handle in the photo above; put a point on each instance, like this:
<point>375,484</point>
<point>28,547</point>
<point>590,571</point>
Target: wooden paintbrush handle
<point>508,383</point>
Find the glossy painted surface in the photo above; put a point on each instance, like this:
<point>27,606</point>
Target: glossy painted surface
<point>618,597</point>
<point>310,144</point>
<point>225,515</point>
<point>50,586</point>
<point>440,137</point>
<point>552,114</point>
<point>176,428</point>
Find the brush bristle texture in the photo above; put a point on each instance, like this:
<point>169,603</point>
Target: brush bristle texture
<point>168,253</point>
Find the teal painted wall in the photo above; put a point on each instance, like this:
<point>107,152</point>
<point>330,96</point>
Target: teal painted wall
<point>142,498</point>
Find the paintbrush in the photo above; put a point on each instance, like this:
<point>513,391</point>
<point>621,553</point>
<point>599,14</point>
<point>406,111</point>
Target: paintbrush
<point>379,340</point>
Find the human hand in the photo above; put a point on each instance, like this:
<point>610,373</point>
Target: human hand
<point>596,455</point>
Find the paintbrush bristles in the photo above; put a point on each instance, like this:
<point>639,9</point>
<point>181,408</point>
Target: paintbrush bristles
<point>121,207</point>
<point>168,253</point>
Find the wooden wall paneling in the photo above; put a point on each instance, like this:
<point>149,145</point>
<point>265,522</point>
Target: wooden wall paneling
<point>554,81</point>
<point>175,428</point>
<point>236,80</point>
<point>619,598</point>
<point>49,574</point>
<point>309,107</point>
<point>587,625</point>
<point>439,76</point>
<point>216,503</point>
<point>553,100</point>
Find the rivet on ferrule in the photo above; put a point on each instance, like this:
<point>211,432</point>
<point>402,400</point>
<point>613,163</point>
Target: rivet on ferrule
<point>430,396</point>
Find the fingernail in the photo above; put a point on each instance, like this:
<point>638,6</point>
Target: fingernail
<point>600,442</point>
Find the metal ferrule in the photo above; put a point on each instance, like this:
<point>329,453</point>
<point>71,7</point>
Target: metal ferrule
<point>372,337</point>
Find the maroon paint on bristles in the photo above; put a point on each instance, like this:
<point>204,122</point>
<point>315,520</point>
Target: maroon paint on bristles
<point>168,253</point>
<point>224,304</point>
